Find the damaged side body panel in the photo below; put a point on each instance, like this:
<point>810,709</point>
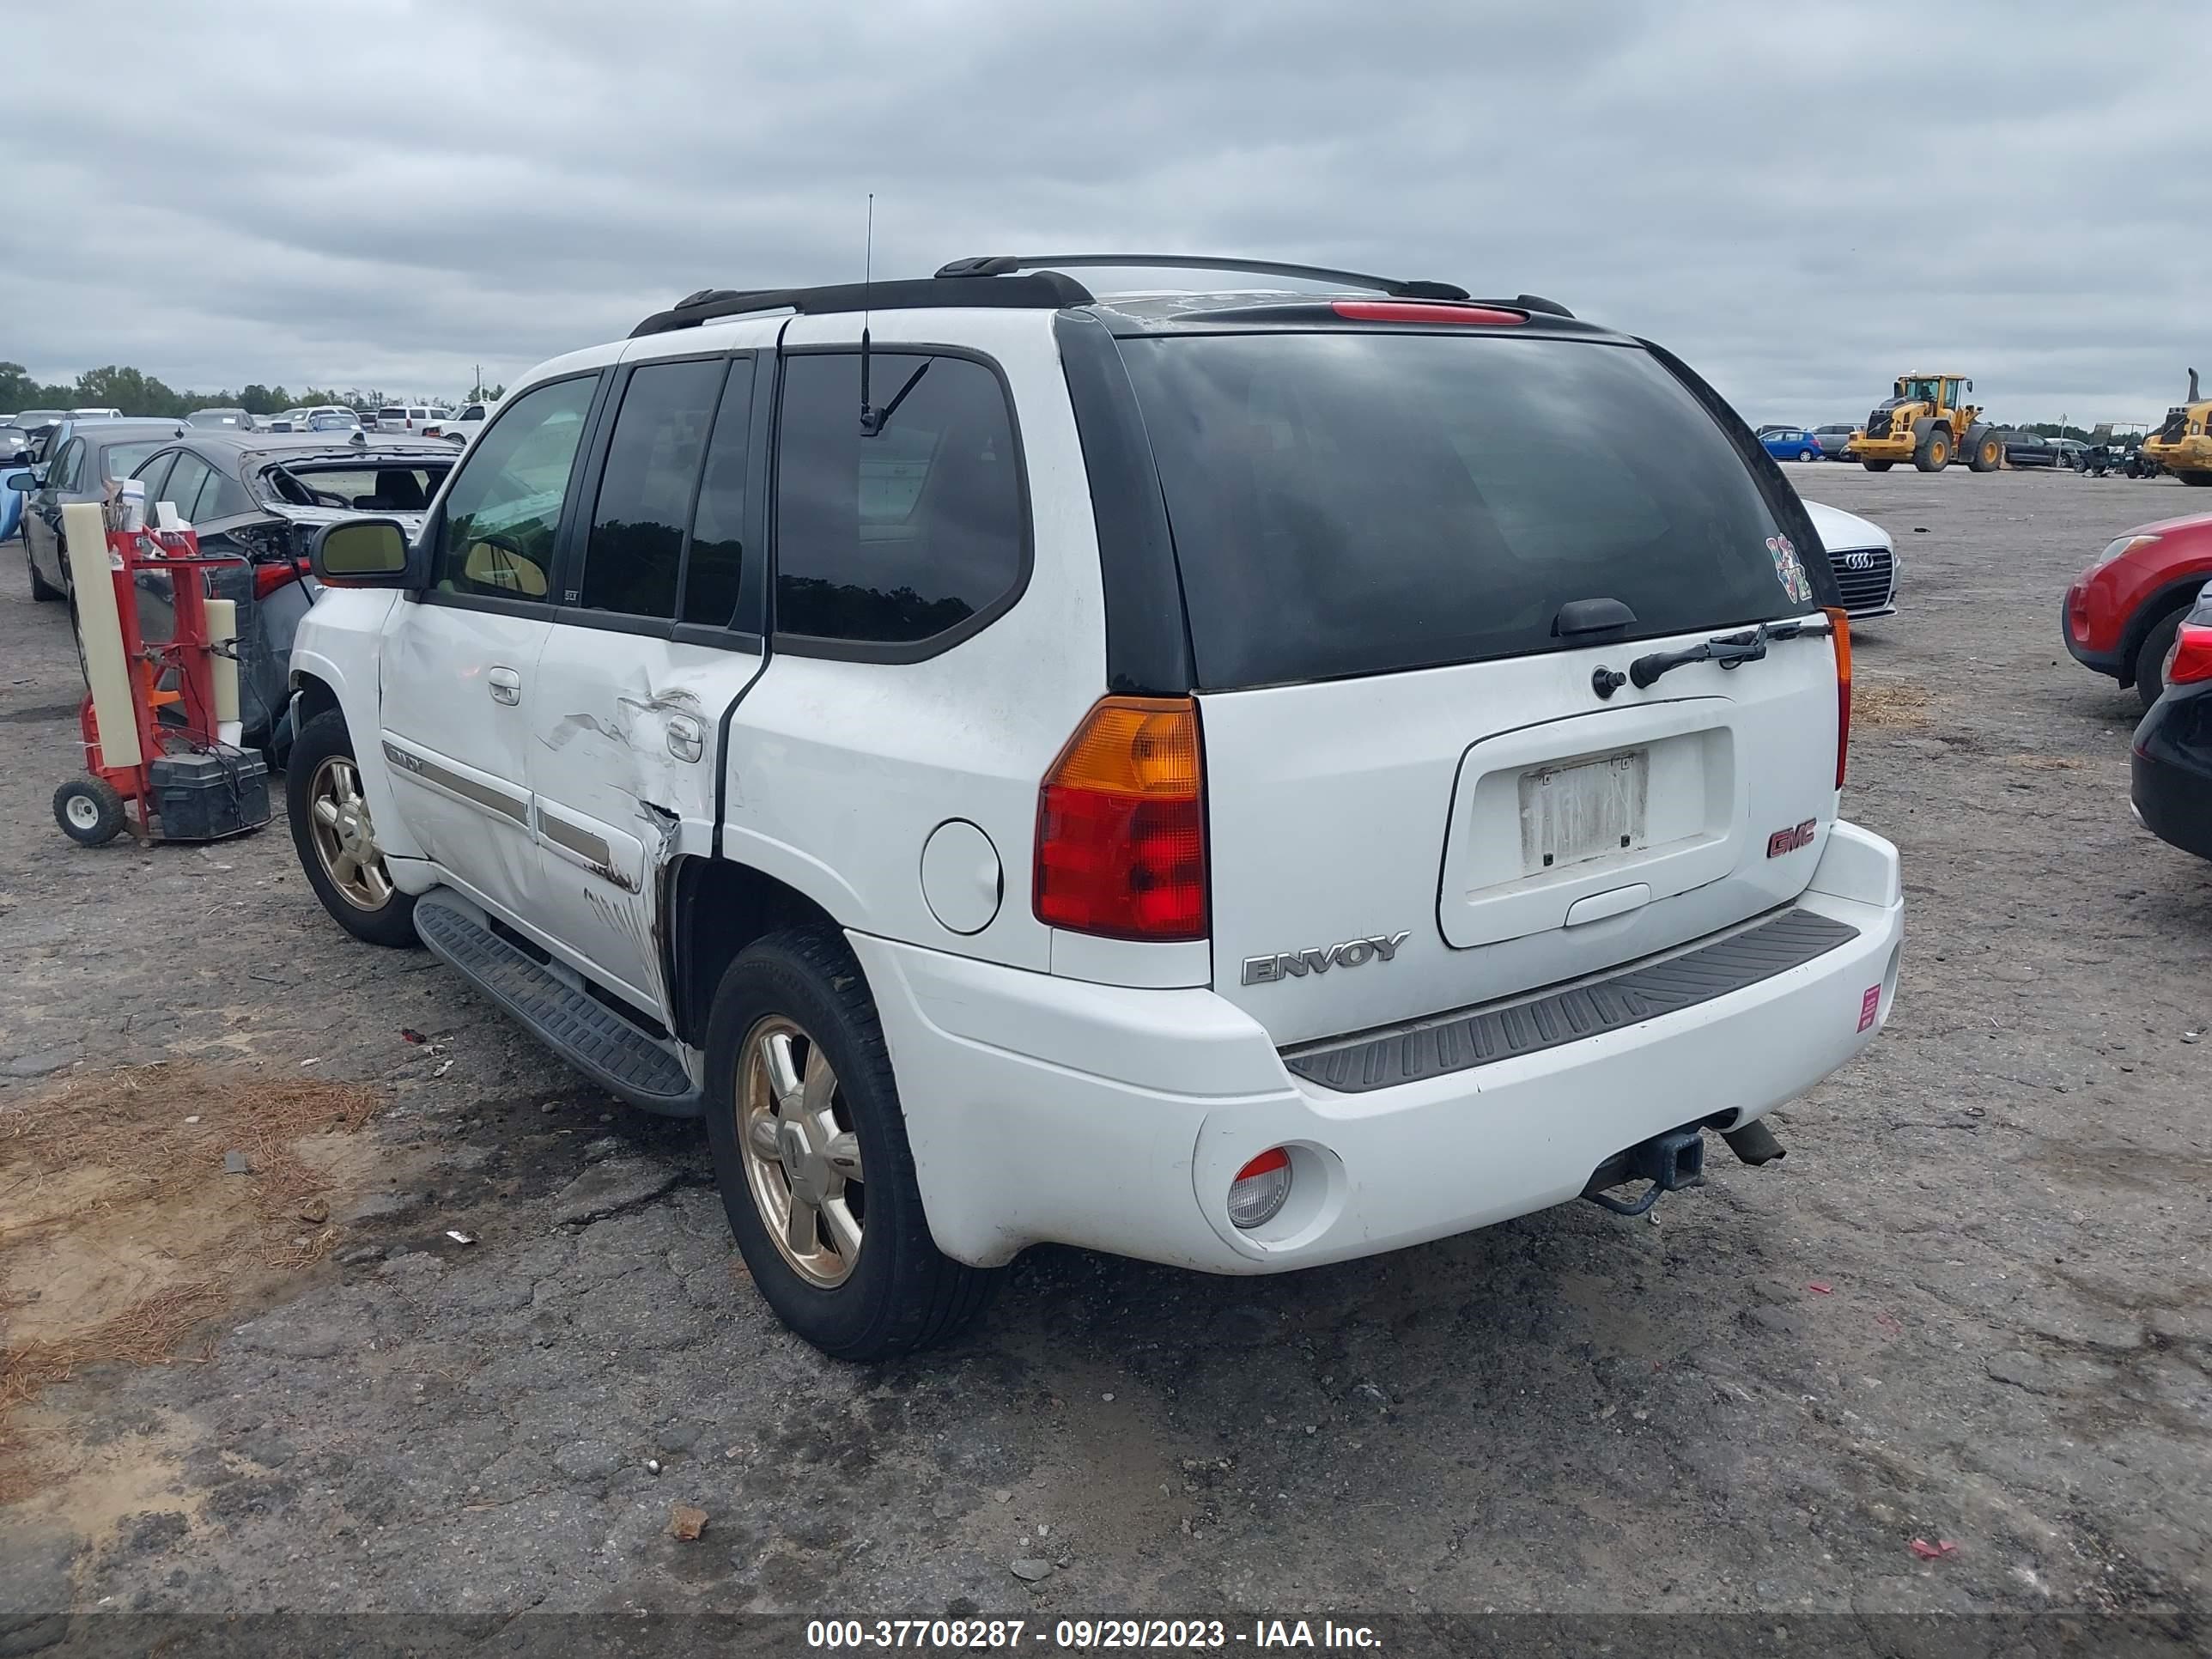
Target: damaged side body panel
<point>624,774</point>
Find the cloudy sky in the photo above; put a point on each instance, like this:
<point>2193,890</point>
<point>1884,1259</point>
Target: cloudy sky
<point>1803,199</point>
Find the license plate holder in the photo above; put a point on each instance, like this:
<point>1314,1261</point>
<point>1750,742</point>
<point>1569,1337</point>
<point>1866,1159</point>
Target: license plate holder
<point>1592,809</point>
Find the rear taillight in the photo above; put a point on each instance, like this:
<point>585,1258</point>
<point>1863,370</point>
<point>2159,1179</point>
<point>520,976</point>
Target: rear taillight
<point>268,578</point>
<point>2077,612</point>
<point>1121,840</point>
<point>2192,656</point>
<point>1415,311</point>
<point>1842,623</point>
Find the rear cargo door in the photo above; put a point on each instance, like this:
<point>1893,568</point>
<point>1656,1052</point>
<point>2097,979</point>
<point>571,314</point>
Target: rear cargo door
<point>1418,798</point>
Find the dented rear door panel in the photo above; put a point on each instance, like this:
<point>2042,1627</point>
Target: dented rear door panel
<point>623,756</point>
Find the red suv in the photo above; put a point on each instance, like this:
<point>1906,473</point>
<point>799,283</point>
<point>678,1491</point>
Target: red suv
<point>2123,613</point>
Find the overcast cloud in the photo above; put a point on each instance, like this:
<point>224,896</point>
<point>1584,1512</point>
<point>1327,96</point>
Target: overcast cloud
<point>1802,200</point>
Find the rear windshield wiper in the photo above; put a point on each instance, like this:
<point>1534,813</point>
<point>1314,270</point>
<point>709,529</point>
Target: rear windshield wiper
<point>1728,650</point>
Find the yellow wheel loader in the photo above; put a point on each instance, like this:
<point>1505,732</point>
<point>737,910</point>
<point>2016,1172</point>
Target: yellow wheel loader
<point>2183,445</point>
<point>1928,422</point>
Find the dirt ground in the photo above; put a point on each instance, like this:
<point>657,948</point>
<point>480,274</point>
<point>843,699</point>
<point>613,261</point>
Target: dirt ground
<point>1973,1308</point>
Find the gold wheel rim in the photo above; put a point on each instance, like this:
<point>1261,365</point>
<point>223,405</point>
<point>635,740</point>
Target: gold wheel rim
<point>801,1154</point>
<point>344,836</point>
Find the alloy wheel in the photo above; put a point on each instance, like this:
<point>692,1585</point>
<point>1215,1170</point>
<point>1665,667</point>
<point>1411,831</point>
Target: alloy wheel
<point>802,1158</point>
<point>344,836</point>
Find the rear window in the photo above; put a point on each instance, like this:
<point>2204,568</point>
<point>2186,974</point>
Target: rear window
<point>394,413</point>
<point>361,488</point>
<point>119,459</point>
<point>1363,503</point>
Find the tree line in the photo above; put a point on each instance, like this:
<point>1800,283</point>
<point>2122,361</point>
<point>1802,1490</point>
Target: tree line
<point>137,394</point>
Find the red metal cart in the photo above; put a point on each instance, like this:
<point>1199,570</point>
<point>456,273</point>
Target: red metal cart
<point>186,783</point>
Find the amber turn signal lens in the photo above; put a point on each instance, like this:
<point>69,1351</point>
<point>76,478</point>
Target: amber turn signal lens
<point>1121,846</point>
<point>1842,621</point>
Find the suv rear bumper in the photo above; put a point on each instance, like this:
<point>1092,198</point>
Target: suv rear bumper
<point>1045,1109</point>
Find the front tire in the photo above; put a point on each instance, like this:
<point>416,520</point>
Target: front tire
<point>1877,466</point>
<point>2197,479</point>
<point>811,1159</point>
<point>336,837</point>
<point>1934,452</point>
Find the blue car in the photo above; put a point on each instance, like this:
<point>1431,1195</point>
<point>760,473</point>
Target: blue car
<point>1790,443</point>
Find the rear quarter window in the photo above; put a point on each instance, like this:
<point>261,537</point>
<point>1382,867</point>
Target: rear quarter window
<point>1363,503</point>
<point>912,536</point>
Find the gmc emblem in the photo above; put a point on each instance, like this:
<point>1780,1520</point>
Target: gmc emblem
<point>1788,841</point>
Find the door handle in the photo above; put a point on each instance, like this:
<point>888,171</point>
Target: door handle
<point>505,685</point>
<point>685,740</point>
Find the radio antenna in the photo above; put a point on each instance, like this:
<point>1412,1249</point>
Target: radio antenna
<point>871,421</point>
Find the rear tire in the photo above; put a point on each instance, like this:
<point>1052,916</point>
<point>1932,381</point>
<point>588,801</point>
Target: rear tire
<point>1989,452</point>
<point>338,846</point>
<point>889,1290</point>
<point>2151,660</point>
<point>1933,454</point>
<point>1808,454</point>
<point>2198,480</point>
<point>1877,466</point>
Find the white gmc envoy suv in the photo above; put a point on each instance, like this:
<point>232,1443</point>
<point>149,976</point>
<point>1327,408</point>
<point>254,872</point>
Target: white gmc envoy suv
<point>1242,778</point>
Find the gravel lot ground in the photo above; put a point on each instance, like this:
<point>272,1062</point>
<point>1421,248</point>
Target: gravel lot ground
<point>1972,1306</point>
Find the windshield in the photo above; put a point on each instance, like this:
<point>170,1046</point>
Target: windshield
<point>1361,503</point>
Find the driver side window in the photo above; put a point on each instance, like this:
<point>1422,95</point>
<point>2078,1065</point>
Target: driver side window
<point>502,510</point>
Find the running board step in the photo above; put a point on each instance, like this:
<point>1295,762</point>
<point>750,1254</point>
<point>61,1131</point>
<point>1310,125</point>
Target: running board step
<point>1482,1036</point>
<point>575,1025</point>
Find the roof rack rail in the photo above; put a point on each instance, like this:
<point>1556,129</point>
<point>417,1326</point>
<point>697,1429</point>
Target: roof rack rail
<point>1006,264</point>
<point>1043,290</point>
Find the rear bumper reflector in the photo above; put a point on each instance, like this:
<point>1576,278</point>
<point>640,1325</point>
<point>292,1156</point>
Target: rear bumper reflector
<point>1470,1038</point>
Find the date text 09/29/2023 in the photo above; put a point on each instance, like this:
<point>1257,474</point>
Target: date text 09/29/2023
<point>1086,1635</point>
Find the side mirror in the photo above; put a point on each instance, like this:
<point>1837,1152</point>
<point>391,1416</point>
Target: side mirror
<point>22,481</point>
<point>360,553</point>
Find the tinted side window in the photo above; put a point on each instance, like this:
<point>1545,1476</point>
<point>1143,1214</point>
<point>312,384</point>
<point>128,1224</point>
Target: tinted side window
<point>717,558</point>
<point>502,511</point>
<point>155,474</point>
<point>635,553</point>
<point>221,497</point>
<point>62,475</point>
<point>184,481</point>
<point>906,534</point>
